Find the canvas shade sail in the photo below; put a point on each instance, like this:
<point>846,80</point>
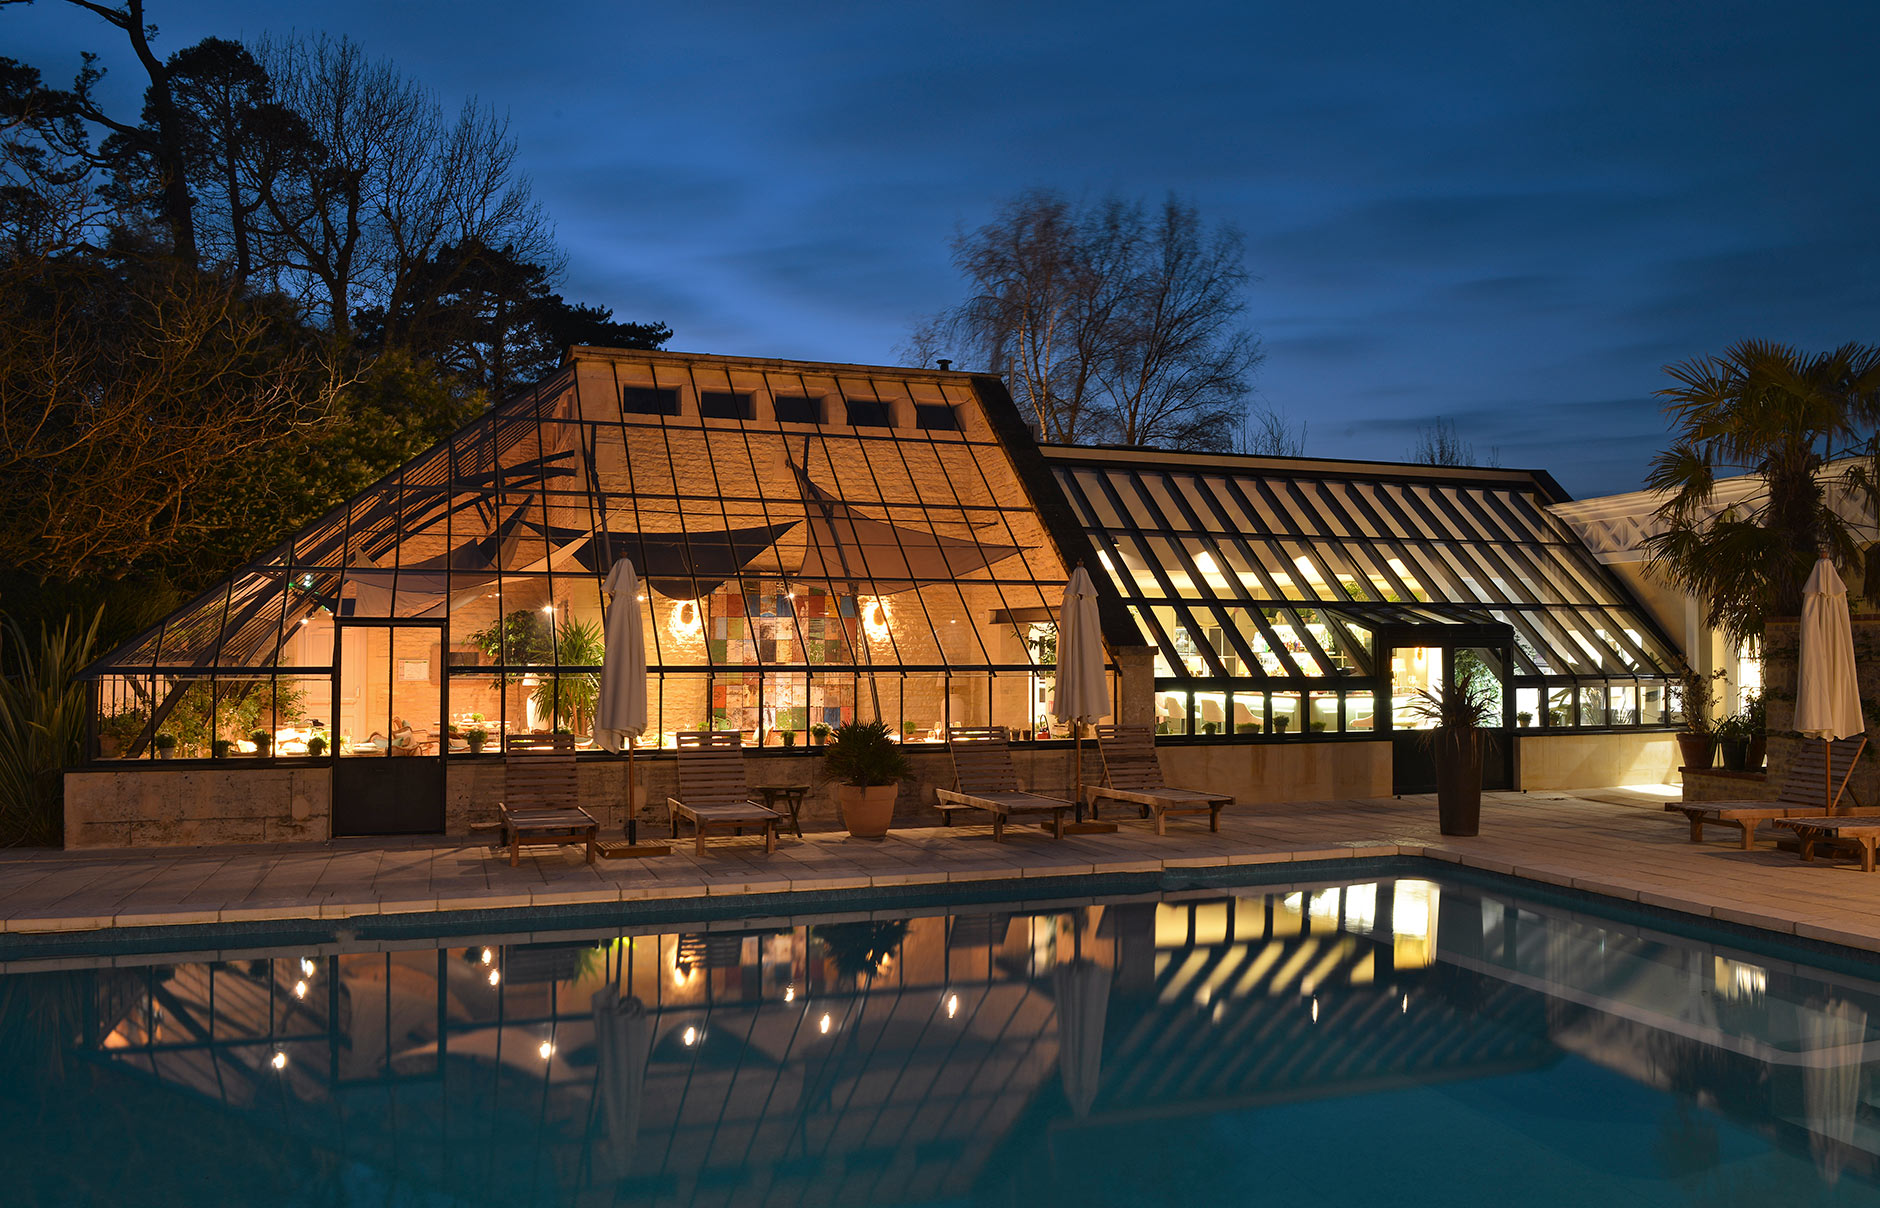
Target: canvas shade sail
<point>846,546</point>
<point>1827,698</point>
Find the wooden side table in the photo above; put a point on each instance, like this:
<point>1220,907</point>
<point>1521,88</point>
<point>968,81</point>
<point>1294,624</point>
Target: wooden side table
<point>792,797</point>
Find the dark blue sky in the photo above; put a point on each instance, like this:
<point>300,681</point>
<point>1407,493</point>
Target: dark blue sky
<point>1509,214</point>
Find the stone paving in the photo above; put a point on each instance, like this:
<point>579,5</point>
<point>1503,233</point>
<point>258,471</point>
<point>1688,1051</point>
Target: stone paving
<point>1617,842</point>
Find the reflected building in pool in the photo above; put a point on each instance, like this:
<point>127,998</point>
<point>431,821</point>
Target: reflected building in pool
<point>820,544</point>
<point>994,1056</point>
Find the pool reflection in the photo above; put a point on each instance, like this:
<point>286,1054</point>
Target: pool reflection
<point>983,1055</point>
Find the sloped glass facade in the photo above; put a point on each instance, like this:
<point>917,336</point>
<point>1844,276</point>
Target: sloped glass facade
<point>816,545</point>
<point>1265,586</point>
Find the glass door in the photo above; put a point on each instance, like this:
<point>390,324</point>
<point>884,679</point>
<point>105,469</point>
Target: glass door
<point>390,697</point>
<point>1418,669</point>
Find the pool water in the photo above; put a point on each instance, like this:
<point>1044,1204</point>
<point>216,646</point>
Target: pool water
<point>1381,1041</point>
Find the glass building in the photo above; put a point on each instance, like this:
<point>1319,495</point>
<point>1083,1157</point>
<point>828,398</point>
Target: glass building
<point>823,543</point>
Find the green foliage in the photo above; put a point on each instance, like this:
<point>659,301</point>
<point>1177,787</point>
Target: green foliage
<point>862,753</point>
<point>1782,416</point>
<point>573,695</point>
<point>517,638</point>
<point>42,728</point>
<point>1461,714</point>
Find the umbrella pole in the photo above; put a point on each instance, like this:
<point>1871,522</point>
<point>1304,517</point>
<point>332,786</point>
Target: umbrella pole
<point>1077,728</point>
<point>1827,787</point>
<point>633,821</point>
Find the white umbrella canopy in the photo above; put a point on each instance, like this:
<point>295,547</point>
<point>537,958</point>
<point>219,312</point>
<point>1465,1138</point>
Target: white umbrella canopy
<point>1082,988</point>
<point>620,716</point>
<point>622,1035</point>
<point>1081,694</point>
<point>1827,696</point>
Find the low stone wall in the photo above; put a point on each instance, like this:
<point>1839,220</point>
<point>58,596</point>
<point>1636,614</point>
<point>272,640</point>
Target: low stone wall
<point>1586,761</point>
<point>151,808</point>
<point>1715,784</point>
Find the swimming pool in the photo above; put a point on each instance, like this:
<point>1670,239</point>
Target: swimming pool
<point>1381,1038</point>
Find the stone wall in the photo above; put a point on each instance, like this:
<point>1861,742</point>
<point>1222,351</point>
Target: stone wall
<point>151,807</point>
<point>188,807</point>
<point>1585,761</point>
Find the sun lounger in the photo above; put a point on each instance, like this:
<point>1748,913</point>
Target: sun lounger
<point>984,779</point>
<point>541,798</point>
<point>1811,788</point>
<point>1133,776</point>
<point>1862,833</point>
<point>712,796</point>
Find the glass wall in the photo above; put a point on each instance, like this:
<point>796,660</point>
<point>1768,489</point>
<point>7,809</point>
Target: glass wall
<point>1262,585</point>
<point>794,575</point>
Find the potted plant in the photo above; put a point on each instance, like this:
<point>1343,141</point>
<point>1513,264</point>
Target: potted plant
<point>859,949</point>
<point>1524,719</point>
<point>1733,735</point>
<point>119,731</point>
<point>1247,727</point>
<point>1756,718</point>
<point>1318,727</point>
<point>1280,724</point>
<point>864,759</point>
<point>165,745</point>
<point>788,737</point>
<point>1697,742</point>
<point>476,736</point>
<point>219,748</point>
<point>1458,738</point>
<point>819,733</point>
<point>910,731</point>
<point>264,743</point>
<point>1208,728</point>
<point>316,746</point>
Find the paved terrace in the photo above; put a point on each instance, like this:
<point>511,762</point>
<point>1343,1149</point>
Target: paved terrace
<point>1616,842</point>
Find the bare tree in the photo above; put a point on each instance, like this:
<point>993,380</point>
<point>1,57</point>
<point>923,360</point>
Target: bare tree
<point>1110,324</point>
<point>1438,444</point>
<point>377,181</point>
<point>1269,434</point>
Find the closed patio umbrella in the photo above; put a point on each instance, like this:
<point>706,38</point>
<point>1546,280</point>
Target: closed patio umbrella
<point>1835,1035</point>
<point>622,1036</point>
<point>1081,695</point>
<point>1082,988</point>
<point>620,717</point>
<point>1827,693</point>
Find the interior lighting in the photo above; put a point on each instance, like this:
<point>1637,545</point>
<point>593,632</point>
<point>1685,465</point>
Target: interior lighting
<point>307,966</point>
<point>300,989</point>
<point>548,608</point>
<point>953,1005</point>
<point>789,994</point>
<point>875,618</point>
<point>495,977</point>
<point>691,1036</point>
<point>489,957</point>
<point>684,623</point>
<point>1315,1010</point>
<point>279,1060</point>
<point>822,1025</point>
<point>546,1049</point>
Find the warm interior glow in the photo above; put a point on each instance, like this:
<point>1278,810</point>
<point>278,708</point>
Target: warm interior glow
<point>546,1049</point>
<point>691,1036</point>
<point>684,622</point>
<point>822,1025</point>
<point>876,614</point>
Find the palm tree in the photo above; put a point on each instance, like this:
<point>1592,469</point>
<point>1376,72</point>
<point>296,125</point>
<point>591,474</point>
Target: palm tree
<point>1767,410</point>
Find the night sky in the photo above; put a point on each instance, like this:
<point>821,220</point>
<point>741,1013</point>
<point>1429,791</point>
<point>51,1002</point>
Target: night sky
<point>1512,215</point>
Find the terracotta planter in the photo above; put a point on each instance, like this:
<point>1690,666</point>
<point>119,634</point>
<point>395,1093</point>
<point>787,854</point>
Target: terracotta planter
<point>867,811</point>
<point>1699,750</point>
<point>1459,784</point>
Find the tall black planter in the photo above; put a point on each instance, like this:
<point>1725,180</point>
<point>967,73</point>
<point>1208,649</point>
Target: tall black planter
<point>1735,753</point>
<point>1459,781</point>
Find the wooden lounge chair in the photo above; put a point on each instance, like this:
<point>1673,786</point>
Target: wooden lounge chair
<point>1133,775</point>
<point>1862,833</point>
<point>984,779</point>
<point>1802,793</point>
<point>712,796</point>
<point>541,797</point>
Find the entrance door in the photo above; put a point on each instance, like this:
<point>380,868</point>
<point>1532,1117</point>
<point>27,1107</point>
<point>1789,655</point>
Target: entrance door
<point>389,702</point>
<point>1418,669</point>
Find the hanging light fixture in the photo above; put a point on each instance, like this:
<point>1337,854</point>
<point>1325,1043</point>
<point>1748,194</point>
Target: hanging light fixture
<point>684,621</point>
<point>875,618</point>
